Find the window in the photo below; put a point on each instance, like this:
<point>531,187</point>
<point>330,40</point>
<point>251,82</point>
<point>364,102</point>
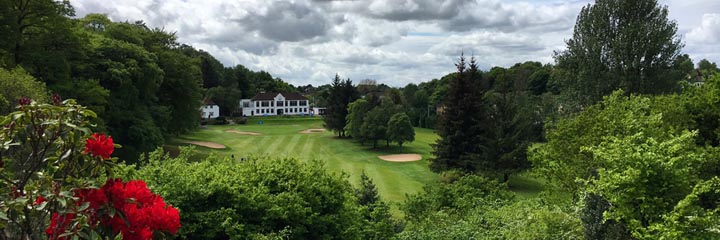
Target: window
<point>293,103</point>
<point>280,103</point>
<point>246,104</point>
<point>257,104</point>
<point>265,103</point>
<point>303,103</point>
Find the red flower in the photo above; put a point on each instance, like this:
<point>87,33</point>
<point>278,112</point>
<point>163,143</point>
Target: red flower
<point>141,211</point>
<point>99,145</point>
<point>58,225</point>
<point>39,200</point>
<point>23,101</point>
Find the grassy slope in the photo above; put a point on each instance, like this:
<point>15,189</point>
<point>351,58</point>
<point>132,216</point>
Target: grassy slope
<point>281,138</point>
<point>394,180</point>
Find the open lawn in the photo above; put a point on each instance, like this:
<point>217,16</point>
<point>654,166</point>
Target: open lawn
<point>282,137</point>
<point>304,139</point>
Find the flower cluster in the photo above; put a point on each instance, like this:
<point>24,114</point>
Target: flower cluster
<point>99,145</point>
<point>139,211</point>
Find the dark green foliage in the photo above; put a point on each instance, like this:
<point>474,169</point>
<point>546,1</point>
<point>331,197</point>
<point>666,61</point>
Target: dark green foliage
<point>399,129</point>
<point>596,227</point>
<point>539,81</point>
<point>508,135</point>
<point>474,207</point>
<point>375,125</point>
<point>459,126</point>
<point>341,94</point>
<point>376,214</point>
<point>357,111</point>
<point>455,197</point>
<point>703,106</point>
<point>628,44</point>
<point>223,199</point>
<point>37,36</point>
<point>696,215</point>
<point>367,194</point>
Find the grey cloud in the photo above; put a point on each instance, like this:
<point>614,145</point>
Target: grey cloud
<point>286,21</point>
<point>403,10</point>
<point>513,17</point>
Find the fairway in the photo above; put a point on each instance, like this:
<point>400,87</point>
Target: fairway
<point>282,137</point>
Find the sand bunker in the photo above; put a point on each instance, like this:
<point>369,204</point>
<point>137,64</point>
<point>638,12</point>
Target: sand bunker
<point>207,144</point>
<point>244,133</point>
<point>313,130</point>
<point>401,157</point>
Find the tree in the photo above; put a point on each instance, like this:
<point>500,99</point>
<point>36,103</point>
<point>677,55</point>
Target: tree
<point>375,126</point>
<point>628,44</point>
<point>644,178</point>
<point>357,111</point>
<point>400,130</point>
<point>17,83</point>
<point>342,93</point>
<point>460,123</point>
<point>563,160</point>
<point>508,133</point>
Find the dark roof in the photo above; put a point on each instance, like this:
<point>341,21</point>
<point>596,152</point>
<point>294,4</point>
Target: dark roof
<point>207,101</point>
<point>271,96</point>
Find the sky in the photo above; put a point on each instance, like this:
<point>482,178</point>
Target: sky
<point>395,42</point>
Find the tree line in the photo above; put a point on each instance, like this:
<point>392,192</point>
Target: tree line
<point>144,85</point>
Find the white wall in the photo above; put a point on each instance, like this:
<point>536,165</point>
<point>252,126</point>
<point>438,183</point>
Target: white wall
<point>210,111</point>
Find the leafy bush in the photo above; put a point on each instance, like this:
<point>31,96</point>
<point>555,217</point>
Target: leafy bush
<point>257,198</point>
<point>49,185</point>
<point>474,207</point>
<point>220,121</point>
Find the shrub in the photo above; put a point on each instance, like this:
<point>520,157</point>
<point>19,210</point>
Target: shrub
<point>50,167</point>
<point>257,198</point>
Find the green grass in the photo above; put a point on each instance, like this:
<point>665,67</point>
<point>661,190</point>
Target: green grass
<point>281,138</point>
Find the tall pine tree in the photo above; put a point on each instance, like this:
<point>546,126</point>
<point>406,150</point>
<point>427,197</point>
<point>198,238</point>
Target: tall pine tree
<point>342,93</point>
<point>460,121</point>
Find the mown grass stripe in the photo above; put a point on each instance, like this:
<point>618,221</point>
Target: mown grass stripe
<point>272,149</point>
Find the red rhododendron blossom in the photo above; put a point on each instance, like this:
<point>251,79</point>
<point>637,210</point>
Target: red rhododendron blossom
<point>39,200</point>
<point>99,145</point>
<point>142,212</point>
<point>58,225</point>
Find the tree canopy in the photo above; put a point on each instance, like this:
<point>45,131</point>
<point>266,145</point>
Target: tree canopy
<point>628,44</point>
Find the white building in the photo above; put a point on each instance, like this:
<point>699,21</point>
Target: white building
<point>209,109</point>
<point>271,104</point>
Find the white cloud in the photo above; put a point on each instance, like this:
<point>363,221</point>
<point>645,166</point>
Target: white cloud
<point>393,41</point>
<point>708,32</point>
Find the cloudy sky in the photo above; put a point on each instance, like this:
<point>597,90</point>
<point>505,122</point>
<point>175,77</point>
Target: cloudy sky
<point>392,41</point>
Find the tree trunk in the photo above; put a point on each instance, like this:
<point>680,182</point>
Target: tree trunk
<point>506,177</point>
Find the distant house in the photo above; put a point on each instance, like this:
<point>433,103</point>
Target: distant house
<point>209,109</point>
<point>318,111</point>
<point>271,104</point>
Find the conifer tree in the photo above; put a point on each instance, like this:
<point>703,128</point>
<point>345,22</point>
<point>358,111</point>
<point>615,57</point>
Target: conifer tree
<point>460,121</point>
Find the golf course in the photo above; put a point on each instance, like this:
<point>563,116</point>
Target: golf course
<point>304,138</point>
